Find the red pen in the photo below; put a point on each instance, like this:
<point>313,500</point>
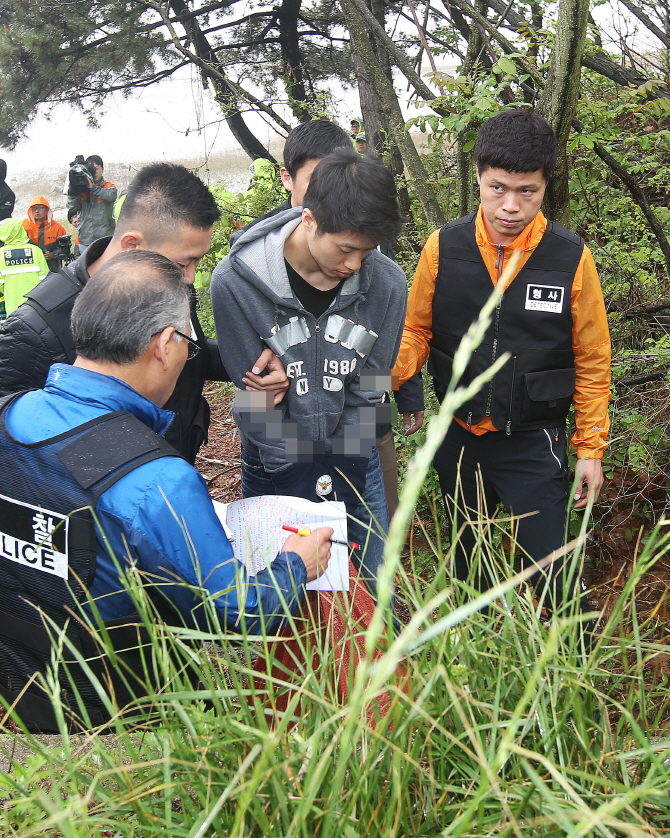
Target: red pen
<point>332,540</point>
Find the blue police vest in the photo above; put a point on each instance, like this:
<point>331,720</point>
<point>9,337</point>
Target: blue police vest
<point>48,492</point>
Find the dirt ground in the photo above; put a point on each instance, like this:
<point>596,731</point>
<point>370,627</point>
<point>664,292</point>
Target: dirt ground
<point>219,460</point>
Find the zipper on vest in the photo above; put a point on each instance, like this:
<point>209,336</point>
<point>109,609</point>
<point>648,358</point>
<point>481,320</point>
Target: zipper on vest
<point>317,328</point>
<point>469,420</point>
<point>496,326</point>
<point>500,261</point>
<point>508,429</point>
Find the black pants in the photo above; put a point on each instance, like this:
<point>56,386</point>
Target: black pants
<point>528,472</point>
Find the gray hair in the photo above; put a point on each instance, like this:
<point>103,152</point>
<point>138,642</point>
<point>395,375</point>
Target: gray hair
<point>130,299</point>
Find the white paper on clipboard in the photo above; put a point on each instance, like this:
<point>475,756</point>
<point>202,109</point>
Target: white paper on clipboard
<point>254,527</point>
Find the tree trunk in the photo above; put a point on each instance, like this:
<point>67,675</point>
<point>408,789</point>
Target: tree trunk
<point>466,198</point>
<point>292,58</point>
<point>473,58</point>
<point>371,109</point>
<point>374,120</point>
<point>558,102</point>
<point>391,108</point>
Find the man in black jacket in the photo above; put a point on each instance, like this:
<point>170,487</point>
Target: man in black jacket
<point>170,211</point>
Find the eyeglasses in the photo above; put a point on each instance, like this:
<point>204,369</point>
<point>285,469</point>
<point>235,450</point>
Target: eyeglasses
<point>193,347</point>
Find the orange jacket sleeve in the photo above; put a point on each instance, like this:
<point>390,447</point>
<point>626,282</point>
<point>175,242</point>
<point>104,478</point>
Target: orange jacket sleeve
<point>418,331</point>
<point>593,355</point>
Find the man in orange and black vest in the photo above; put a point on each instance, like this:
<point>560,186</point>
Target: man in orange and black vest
<point>508,443</point>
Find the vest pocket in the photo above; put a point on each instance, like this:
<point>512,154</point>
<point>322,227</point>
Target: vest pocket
<point>547,395</point>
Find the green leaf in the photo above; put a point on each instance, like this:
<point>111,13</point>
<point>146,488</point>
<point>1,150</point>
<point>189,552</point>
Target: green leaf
<point>506,65</point>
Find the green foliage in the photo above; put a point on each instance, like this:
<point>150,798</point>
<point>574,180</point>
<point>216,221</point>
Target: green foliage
<point>45,57</point>
<point>631,265</point>
<point>470,100</point>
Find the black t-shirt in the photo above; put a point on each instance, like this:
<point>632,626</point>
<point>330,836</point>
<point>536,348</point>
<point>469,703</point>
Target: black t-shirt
<point>313,299</point>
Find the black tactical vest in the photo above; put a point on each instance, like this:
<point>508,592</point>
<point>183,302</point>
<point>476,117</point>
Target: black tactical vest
<point>48,555</point>
<point>533,322</point>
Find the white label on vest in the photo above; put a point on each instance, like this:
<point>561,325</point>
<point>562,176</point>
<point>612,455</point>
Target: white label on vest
<point>544,298</point>
<point>33,537</point>
<point>18,256</point>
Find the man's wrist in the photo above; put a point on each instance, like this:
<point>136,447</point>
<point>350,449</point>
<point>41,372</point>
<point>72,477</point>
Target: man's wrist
<point>589,454</point>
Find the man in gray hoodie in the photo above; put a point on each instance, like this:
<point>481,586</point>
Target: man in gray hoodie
<point>310,284</point>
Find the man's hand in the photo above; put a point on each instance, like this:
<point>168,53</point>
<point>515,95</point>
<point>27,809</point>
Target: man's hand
<point>589,471</point>
<point>274,382</point>
<point>412,427</point>
<point>314,550</point>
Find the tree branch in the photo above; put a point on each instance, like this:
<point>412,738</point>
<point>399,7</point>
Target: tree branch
<point>651,26</point>
<point>508,46</point>
<point>642,379</point>
<point>402,62</point>
<point>640,199</point>
<point>599,61</point>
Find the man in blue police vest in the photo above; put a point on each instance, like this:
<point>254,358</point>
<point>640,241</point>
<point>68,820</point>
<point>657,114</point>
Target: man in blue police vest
<point>91,438</point>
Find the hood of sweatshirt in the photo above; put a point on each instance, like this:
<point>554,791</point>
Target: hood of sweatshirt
<point>3,170</point>
<point>258,255</point>
<point>12,232</point>
<point>40,200</point>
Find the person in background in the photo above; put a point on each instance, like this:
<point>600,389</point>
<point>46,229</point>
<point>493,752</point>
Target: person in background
<point>118,204</point>
<point>356,126</point>
<point>362,144</point>
<point>305,147</point>
<point>73,219</point>
<point>7,197</point>
<point>22,264</point>
<point>95,206</point>
<point>43,230</point>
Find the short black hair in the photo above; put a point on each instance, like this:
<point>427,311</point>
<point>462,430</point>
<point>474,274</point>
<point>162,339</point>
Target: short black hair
<point>164,196</point>
<point>71,213</point>
<point>133,297</point>
<point>517,141</point>
<point>312,141</point>
<point>95,158</point>
<point>354,194</point>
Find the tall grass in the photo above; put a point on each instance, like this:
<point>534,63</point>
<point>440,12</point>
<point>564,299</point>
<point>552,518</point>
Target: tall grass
<point>499,723</point>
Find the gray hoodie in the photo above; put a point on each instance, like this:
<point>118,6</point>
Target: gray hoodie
<point>254,305</point>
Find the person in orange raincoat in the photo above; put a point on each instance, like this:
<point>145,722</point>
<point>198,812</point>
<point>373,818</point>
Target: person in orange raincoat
<point>508,443</point>
<point>43,230</point>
